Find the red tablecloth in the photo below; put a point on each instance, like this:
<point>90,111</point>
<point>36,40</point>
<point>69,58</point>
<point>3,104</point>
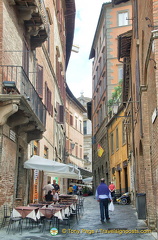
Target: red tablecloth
<point>27,211</point>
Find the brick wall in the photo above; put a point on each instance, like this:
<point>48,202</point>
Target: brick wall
<point>1,29</point>
<point>145,138</point>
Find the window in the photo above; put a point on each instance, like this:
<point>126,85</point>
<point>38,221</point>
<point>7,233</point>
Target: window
<point>80,126</point>
<point>45,152</point>
<point>117,139</point>
<point>120,73</point>
<point>35,148</point>
<point>85,127</point>
<point>122,18</point>
<point>76,123</point>
<point>80,151</point>
<point>48,99</point>
<point>71,120</point>
<point>60,113</point>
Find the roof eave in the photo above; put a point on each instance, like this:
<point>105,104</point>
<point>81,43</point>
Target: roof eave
<point>70,14</point>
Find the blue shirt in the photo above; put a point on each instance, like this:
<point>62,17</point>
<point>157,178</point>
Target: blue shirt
<point>75,188</point>
<point>103,192</point>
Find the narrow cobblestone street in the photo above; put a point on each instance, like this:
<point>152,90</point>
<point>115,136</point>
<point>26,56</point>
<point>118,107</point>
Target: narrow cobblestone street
<point>124,218</point>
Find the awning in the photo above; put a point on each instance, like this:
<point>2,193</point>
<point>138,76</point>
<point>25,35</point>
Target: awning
<point>88,180</point>
<point>85,173</point>
<point>52,168</point>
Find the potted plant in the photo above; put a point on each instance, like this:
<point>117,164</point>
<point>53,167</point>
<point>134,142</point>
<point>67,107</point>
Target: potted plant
<point>85,191</point>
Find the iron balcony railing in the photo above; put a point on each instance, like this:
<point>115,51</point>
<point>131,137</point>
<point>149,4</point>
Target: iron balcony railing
<point>17,75</point>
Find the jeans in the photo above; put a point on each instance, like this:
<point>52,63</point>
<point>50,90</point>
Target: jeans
<point>104,209</point>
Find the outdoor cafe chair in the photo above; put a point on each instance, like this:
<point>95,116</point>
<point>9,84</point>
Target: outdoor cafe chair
<point>6,215</point>
<point>81,204</point>
<point>74,212</point>
<point>15,224</point>
<point>49,218</point>
<point>66,220</point>
<point>48,223</point>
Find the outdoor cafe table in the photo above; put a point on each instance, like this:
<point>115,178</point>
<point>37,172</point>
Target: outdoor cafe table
<point>25,211</point>
<point>50,212</point>
<point>65,208</point>
<point>65,196</point>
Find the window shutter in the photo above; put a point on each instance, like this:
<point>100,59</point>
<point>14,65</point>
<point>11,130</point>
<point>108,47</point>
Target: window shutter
<point>57,110</point>
<point>49,101</point>
<point>61,114</point>
<point>39,81</point>
<point>46,94</point>
<point>71,120</point>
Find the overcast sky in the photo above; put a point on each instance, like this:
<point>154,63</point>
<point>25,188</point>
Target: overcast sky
<point>79,72</point>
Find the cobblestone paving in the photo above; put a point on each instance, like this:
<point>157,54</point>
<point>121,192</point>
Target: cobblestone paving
<point>122,221</point>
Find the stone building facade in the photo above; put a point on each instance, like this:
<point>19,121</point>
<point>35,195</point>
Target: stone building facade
<point>87,131</point>
<point>35,46</point>
<point>141,96</point>
<point>106,75</point>
<point>74,130</point>
<point>119,161</point>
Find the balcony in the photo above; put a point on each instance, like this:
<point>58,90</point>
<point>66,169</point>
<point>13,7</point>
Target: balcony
<point>21,103</point>
<point>33,14</point>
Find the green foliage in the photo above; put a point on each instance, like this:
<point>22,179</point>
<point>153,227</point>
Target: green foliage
<point>116,96</point>
<point>85,189</point>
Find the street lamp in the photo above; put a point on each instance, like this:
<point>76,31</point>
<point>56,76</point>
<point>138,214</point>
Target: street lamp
<point>72,146</point>
<point>9,86</point>
<point>115,108</point>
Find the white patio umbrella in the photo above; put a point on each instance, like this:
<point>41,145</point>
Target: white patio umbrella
<point>52,167</point>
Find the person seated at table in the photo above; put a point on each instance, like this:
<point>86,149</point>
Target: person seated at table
<point>49,196</point>
<point>70,190</point>
<point>55,195</point>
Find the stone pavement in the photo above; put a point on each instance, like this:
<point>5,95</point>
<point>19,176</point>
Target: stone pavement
<point>122,222</point>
